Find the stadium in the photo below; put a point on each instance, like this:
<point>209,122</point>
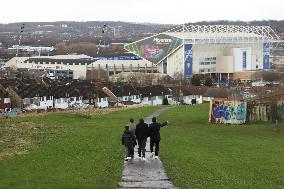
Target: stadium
<point>223,52</point>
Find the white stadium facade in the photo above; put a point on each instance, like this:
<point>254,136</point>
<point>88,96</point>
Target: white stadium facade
<point>221,51</point>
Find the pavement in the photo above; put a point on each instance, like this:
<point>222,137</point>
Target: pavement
<point>145,174</point>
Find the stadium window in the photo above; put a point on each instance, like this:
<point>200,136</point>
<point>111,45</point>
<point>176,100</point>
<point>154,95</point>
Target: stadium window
<point>244,59</point>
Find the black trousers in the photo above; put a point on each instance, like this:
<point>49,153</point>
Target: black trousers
<point>142,147</point>
<point>130,151</point>
<point>157,147</point>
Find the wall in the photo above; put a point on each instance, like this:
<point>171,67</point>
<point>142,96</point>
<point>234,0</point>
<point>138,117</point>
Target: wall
<point>280,109</point>
<point>225,64</point>
<point>238,59</point>
<point>187,99</point>
<point>176,62</point>
<point>5,103</point>
<point>227,112</point>
<point>154,100</point>
<point>259,112</point>
<point>79,71</point>
<point>102,102</point>
<point>61,103</point>
<point>45,104</point>
<point>218,50</point>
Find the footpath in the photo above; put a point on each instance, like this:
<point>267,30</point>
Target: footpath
<point>145,174</point>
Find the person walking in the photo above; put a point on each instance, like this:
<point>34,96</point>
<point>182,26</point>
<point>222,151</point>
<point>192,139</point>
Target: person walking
<point>155,137</point>
<point>129,141</point>
<point>141,134</point>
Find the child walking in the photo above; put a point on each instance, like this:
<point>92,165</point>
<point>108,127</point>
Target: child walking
<point>129,141</point>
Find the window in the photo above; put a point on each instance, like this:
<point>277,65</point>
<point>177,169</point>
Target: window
<point>165,68</point>
<point>244,60</point>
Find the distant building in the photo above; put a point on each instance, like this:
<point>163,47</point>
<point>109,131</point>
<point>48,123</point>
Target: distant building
<point>5,101</point>
<point>220,51</point>
<point>83,66</point>
<point>30,49</point>
<point>60,64</point>
<point>116,64</point>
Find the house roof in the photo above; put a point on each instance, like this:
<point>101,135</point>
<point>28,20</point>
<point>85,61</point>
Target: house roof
<point>154,90</point>
<point>217,93</point>
<point>123,90</point>
<point>193,90</point>
<point>64,61</point>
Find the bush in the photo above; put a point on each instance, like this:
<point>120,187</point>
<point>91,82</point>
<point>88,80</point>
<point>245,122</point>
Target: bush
<point>165,101</point>
<point>195,80</point>
<point>208,82</point>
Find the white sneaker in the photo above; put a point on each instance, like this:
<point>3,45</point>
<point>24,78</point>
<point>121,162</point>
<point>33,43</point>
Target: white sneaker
<point>144,159</point>
<point>128,158</point>
<point>156,157</point>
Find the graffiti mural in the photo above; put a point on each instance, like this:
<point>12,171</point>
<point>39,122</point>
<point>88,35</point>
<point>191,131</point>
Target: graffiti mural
<point>228,112</point>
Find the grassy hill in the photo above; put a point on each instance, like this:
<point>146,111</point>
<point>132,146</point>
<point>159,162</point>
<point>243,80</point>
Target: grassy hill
<point>79,150</point>
<point>197,154</point>
<point>64,150</point>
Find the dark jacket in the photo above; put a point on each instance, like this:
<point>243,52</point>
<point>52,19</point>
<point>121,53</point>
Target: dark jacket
<point>154,131</point>
<point>128,139</point>
<point>142,131</point>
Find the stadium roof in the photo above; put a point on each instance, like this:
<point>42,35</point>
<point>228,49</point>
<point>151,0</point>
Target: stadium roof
<point>202,34</point>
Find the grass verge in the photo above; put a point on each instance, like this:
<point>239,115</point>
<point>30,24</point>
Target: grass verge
<point>197,154</point>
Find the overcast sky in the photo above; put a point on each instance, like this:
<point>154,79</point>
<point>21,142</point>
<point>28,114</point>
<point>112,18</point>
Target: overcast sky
<point>154,11</point>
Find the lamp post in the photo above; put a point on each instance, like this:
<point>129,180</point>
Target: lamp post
<point>20,37</point>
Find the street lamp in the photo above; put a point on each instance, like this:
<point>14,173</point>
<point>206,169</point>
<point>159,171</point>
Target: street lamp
<point>20,37</point>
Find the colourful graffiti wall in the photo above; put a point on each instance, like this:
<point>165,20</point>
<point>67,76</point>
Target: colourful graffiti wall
<point>227,112</point>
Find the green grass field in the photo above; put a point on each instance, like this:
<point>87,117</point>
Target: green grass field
<point>197,154</point>
<point>74,150</point>
<point>64,150</point>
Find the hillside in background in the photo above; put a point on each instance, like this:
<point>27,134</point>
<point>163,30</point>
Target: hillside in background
<point>51,33</point>
<point>84,37</point>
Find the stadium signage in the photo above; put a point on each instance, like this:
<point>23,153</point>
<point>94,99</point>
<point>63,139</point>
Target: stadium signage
<point>188,56</point>
<point>266,54</point>
<point>155,48</point>
<point>157,40</point>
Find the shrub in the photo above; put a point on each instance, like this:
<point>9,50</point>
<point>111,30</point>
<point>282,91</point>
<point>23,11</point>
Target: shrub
<point>165,101</point>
